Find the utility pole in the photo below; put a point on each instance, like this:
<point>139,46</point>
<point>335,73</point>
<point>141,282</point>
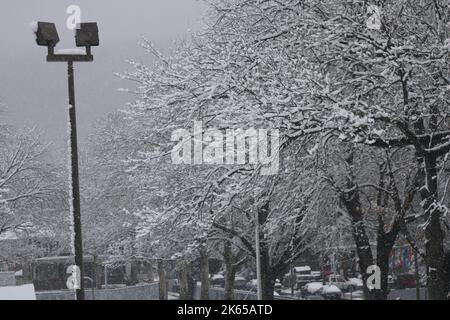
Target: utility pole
<point>86,36</point>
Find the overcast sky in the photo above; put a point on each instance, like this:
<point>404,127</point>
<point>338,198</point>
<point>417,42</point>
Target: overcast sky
<point>35,92</point>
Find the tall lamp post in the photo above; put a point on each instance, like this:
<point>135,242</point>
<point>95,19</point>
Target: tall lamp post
<point>86,36</point>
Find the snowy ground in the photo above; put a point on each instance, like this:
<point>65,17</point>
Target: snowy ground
<point>403,294</point>
<point>25,292</point>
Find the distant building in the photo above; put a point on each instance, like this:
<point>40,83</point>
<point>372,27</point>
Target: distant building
<point>302,270</point>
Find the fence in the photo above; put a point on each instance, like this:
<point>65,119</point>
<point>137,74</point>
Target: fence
<point>142,292</point>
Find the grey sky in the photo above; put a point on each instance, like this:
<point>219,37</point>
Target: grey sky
<point>35,92</point>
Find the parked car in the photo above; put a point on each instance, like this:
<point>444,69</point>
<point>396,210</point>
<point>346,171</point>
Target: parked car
<point>240,283</point>
<point>311,288</point>
<point>285,292</point>
<point>298,295</point>
<point>218,280</point>
<point>354,295</point>
<point>330,292</point>
<point>339,281</point>
<point>355,284</point>
<point>304,279</point>
<point>301,276</point>
<point>406,280</point>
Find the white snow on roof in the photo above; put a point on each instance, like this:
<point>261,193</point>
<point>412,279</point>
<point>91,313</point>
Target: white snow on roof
<point>34,26</point>
<point>356,282</point>
<point>303,269</point>
<point>25,292</point>
<point>331,289</point>
<point>313,287</point>
<point>217,277</point>
<point>55,258</point>
<point>70,51</point>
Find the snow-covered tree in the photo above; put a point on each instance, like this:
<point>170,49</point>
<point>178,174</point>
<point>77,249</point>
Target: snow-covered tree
<point>318,73</point>
<point>30,187</point>
<point>315,67</point>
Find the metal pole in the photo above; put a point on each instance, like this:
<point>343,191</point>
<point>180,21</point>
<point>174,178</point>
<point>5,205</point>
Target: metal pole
<point>106,276</point>
<point>292,271</point>
<point>92,286</point>
<point>292,279</point>
<point>78,240</point>
<point>416,267</point>
<point>258,256</point>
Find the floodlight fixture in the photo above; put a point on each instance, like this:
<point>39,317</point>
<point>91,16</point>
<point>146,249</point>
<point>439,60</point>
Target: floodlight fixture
<point>87,35</point>
<point>46,34</point>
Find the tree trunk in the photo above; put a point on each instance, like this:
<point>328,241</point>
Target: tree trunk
<point>230,271</point>
<point>436,259</point>
<point>385,244</point>
<point>352,203</point>
<point>163,292</point>
<point>383,252</point>
<point>204,269</point>
<point>364,254</point>
<point>434,245</point>
<point>267,274</point>
<point>385,240</point>
<point>184,285</point>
